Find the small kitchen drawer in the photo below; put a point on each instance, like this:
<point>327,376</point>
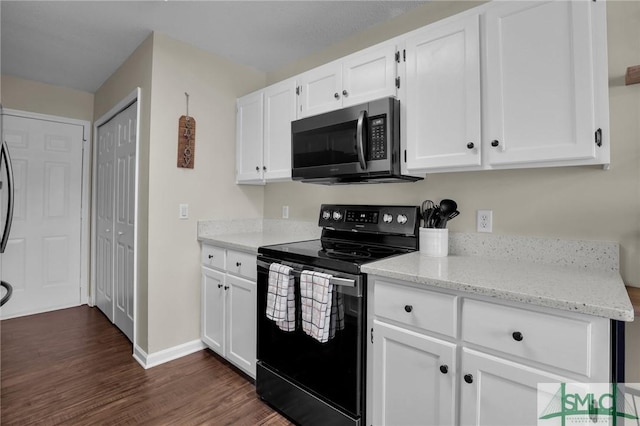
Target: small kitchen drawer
<point>242,264</point>
<point>213,257</point>
<point>428,310</point>
<point>549,339</point>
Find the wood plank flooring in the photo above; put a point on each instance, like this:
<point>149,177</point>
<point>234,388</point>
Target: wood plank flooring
<point>72,367</point>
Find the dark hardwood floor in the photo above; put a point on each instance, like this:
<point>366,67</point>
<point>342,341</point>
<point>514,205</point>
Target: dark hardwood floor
<point>72,367</point>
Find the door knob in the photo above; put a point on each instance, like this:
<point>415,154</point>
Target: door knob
<point>120,233</point>
<point>444,369</point>
<point>238,264</point>
<point>517,336</point>
<point>345,93</point>
<point>468,378</point>
<point>408,308</point>
<point>470,145</point>
<point>336,95</point>
<point>495,143</point>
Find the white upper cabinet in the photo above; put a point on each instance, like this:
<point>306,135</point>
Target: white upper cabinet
<point>264,134</point>
<point>320,90</point>
<point>249,138</point>
<point>508,85</point>
<point>357,78</point>
<point>443,95</point>
<point>279,112</point>
<point>540,85</point>
<point>369,74</point>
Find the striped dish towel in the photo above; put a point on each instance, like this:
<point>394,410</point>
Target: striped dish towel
<point>316,299</point>
<point>281,306</point>
<point>337,314</point>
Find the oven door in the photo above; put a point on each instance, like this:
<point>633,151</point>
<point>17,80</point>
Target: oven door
<point>303,377</point>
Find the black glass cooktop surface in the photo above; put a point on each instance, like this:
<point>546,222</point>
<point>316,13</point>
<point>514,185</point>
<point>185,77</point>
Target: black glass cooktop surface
<point>339,255</point>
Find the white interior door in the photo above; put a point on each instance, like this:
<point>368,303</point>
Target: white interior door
<point>105,195</point>
<point>125,219</point>
<point>115,218</point>
<point>43,257</point>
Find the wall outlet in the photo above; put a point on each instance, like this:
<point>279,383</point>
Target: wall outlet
<point>484,221</point>
<point>184,211</point>
<point>285,212</point>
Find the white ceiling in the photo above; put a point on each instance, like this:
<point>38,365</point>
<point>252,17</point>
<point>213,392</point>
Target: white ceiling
<point>79,44</point>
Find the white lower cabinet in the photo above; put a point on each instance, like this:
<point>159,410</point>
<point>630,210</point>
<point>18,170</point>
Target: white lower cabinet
<point>414,378</point>
<point>453,358</point>
<point>496,392</point>
<point>228,319</point>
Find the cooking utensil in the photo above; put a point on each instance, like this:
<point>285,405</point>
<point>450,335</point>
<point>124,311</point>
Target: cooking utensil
<point>427,207</point>
<point>447,207</point>
<point>454,214</point>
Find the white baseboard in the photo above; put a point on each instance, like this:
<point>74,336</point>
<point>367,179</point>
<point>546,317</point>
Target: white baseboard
<point>166,355</point>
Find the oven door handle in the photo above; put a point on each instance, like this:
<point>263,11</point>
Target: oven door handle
<point>345,282</point>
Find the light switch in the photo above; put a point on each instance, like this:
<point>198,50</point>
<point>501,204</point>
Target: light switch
<point>184,211</point>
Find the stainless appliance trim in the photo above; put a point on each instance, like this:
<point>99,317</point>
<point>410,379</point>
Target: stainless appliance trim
<point>4,153</point>
<point>333,280</point>
<point>360,139</point>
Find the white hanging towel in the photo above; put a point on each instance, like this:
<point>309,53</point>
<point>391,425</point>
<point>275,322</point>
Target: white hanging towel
<point>316,298</point>
<point>281,306</point>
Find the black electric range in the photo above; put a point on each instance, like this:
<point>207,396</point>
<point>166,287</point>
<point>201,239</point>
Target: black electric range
<point>320,383</point>
<point>353,235</point>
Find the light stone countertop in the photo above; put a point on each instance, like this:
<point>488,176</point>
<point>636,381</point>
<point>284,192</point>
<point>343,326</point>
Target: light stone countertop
<point>248,235</point>
<point>599,293</point>
<point>577,276</point>
<point>250,241</point>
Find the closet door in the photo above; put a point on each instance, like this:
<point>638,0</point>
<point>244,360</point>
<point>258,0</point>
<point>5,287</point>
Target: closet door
<point>124,220</point>
<point>106,137</point>
<point>115,254</point>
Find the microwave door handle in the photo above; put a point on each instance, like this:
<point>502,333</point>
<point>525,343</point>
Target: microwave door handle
<point>4,155</point>
<point>360,137</point>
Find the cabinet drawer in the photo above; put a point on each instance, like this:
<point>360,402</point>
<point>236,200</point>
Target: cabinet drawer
<point>213,257</point>
<point>550,339</point>
<point>242,264</point>
<point>424,309</point>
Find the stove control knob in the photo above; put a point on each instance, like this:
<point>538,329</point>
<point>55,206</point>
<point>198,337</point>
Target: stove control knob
<point>402,219</point>
<point>326,215</point>
<point>337,215</point>
<point>387,218</point>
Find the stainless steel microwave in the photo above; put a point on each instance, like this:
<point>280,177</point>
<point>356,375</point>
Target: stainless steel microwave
<point>357,144</point>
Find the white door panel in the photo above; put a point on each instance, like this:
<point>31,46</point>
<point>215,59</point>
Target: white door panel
<point>115,218</point>
<point>42,260</point>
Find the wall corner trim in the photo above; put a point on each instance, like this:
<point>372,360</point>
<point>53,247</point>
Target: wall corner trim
<point>166,355</point>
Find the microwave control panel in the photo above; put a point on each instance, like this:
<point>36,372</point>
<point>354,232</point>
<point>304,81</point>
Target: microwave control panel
<point>378,138</point>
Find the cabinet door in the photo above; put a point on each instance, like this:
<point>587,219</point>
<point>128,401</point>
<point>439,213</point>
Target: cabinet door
<point>279,111</point>
<point>241,323</point>
<point>414,378</point>
<point>369,75</point>
<point>443,96</point>
<point>213,309</point>
<point>249,139</point>
<point>539,82</point>
<point>500,392</point>
<point>320,90</point>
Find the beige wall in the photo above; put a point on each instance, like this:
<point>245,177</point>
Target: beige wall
<point>41,98</point>
<point>136,72</point>
<point>209,188</point>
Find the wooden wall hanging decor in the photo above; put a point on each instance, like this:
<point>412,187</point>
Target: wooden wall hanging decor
<point>186,139</point>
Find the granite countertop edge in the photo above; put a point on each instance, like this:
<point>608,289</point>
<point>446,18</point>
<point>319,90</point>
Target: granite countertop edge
<point>566,288</point>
